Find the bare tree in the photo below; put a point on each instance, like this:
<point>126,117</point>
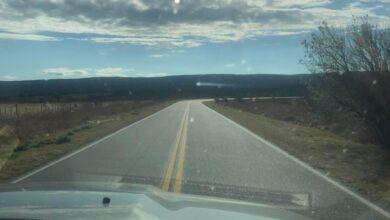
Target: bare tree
<point>352,67</point>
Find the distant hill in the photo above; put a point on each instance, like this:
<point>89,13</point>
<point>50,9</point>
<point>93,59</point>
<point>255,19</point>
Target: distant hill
<point>183,86</point>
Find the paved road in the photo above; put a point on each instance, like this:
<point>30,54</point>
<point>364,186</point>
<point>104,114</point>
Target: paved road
<point>190,148</point>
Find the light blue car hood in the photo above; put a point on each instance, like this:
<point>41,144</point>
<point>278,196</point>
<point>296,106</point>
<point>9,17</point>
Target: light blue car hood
<point>127,201</point>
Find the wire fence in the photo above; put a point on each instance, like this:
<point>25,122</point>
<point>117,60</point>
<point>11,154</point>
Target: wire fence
<point>16,110</point>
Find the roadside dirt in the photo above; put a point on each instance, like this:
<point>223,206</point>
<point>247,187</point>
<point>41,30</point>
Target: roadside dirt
<point>20,162</point>
<point>8,142</point>
<point>297,111</point>
<point>355,162</point>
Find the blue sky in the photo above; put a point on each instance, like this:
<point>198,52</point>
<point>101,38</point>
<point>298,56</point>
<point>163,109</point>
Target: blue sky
<point>45,39</point>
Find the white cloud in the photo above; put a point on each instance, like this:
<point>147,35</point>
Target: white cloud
<point>150,74</point>
<point>243,61</point>
<point>61,71</point>
<point>83,72</point>
<point>33,37</point>
<point>157,41</point>
<point>166,53</point>
<point>139,5</point>
<point>376,1</point>
<point>112,71</point>
<point>300,3</point>
<point>8,77</point>
<point>230,65</point>
<point>153,23</point>
<point>158,55</point>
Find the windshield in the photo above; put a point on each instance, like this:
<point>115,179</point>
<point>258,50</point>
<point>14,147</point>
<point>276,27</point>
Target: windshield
<point>284,104</point>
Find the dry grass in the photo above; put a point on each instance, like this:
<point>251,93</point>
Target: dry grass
<point>361,166</point>
<point>7,144</point>
<point>80,132</point>
<point>297,111</point>
<point>32,124</point>
<point>11,110</point>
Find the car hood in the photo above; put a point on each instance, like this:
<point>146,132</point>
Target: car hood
<point>127,201</point>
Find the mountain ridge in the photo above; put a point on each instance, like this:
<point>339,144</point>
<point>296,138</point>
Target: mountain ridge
<point>178,86</point>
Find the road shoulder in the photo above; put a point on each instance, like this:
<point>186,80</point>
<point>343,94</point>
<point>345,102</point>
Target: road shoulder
<point>21,162</point>
<point>332,155</point>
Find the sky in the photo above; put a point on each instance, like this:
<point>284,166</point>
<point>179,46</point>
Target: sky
<point>46,39</point>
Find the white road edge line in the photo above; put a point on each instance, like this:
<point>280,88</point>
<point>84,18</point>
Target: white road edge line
<point>331,181</point>
<point>31,173</point>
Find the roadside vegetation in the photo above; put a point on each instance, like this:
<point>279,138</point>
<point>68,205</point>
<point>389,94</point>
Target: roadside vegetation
<point>351,69</point>
<point>61,139</point>
<point>339,147</point>
<point>342,124</point>
<point>32,139</point>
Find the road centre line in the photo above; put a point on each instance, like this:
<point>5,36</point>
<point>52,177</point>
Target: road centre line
<point>176,148</point>
<point>180,160</point>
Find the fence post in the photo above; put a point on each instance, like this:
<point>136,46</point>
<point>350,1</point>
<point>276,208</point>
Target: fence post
<point>17,110</point>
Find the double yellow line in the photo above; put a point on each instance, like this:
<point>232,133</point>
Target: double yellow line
<point>177,156</point>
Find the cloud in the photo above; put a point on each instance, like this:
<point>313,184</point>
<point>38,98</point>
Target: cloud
<point>377,1</point>
<point>83,72</point>
<point>158,55</point>
<point>157,41</point>
<point>8,77</point>
<point>33,37</point>
<point>300,3</point>
<point>243,61</point>
<point>166,24</point>
<point>112,71</point>
<point>230,65</point>
<point>150,74</point>
<point>61,71</point>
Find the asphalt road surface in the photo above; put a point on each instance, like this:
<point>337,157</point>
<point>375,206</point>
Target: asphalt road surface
<point>189,148</point>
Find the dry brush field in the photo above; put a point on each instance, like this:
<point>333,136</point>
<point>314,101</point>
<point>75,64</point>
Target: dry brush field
<point>32,134</point>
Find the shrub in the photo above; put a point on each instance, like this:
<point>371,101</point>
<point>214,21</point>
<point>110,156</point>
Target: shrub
<point>62,139</point>
<point>22,146</point>
<point>354,72</point>
<point>85,127</point>
<point>37,144</point>
<point>48,141</point>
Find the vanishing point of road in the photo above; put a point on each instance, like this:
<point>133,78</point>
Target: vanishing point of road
<point>189,148</point>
